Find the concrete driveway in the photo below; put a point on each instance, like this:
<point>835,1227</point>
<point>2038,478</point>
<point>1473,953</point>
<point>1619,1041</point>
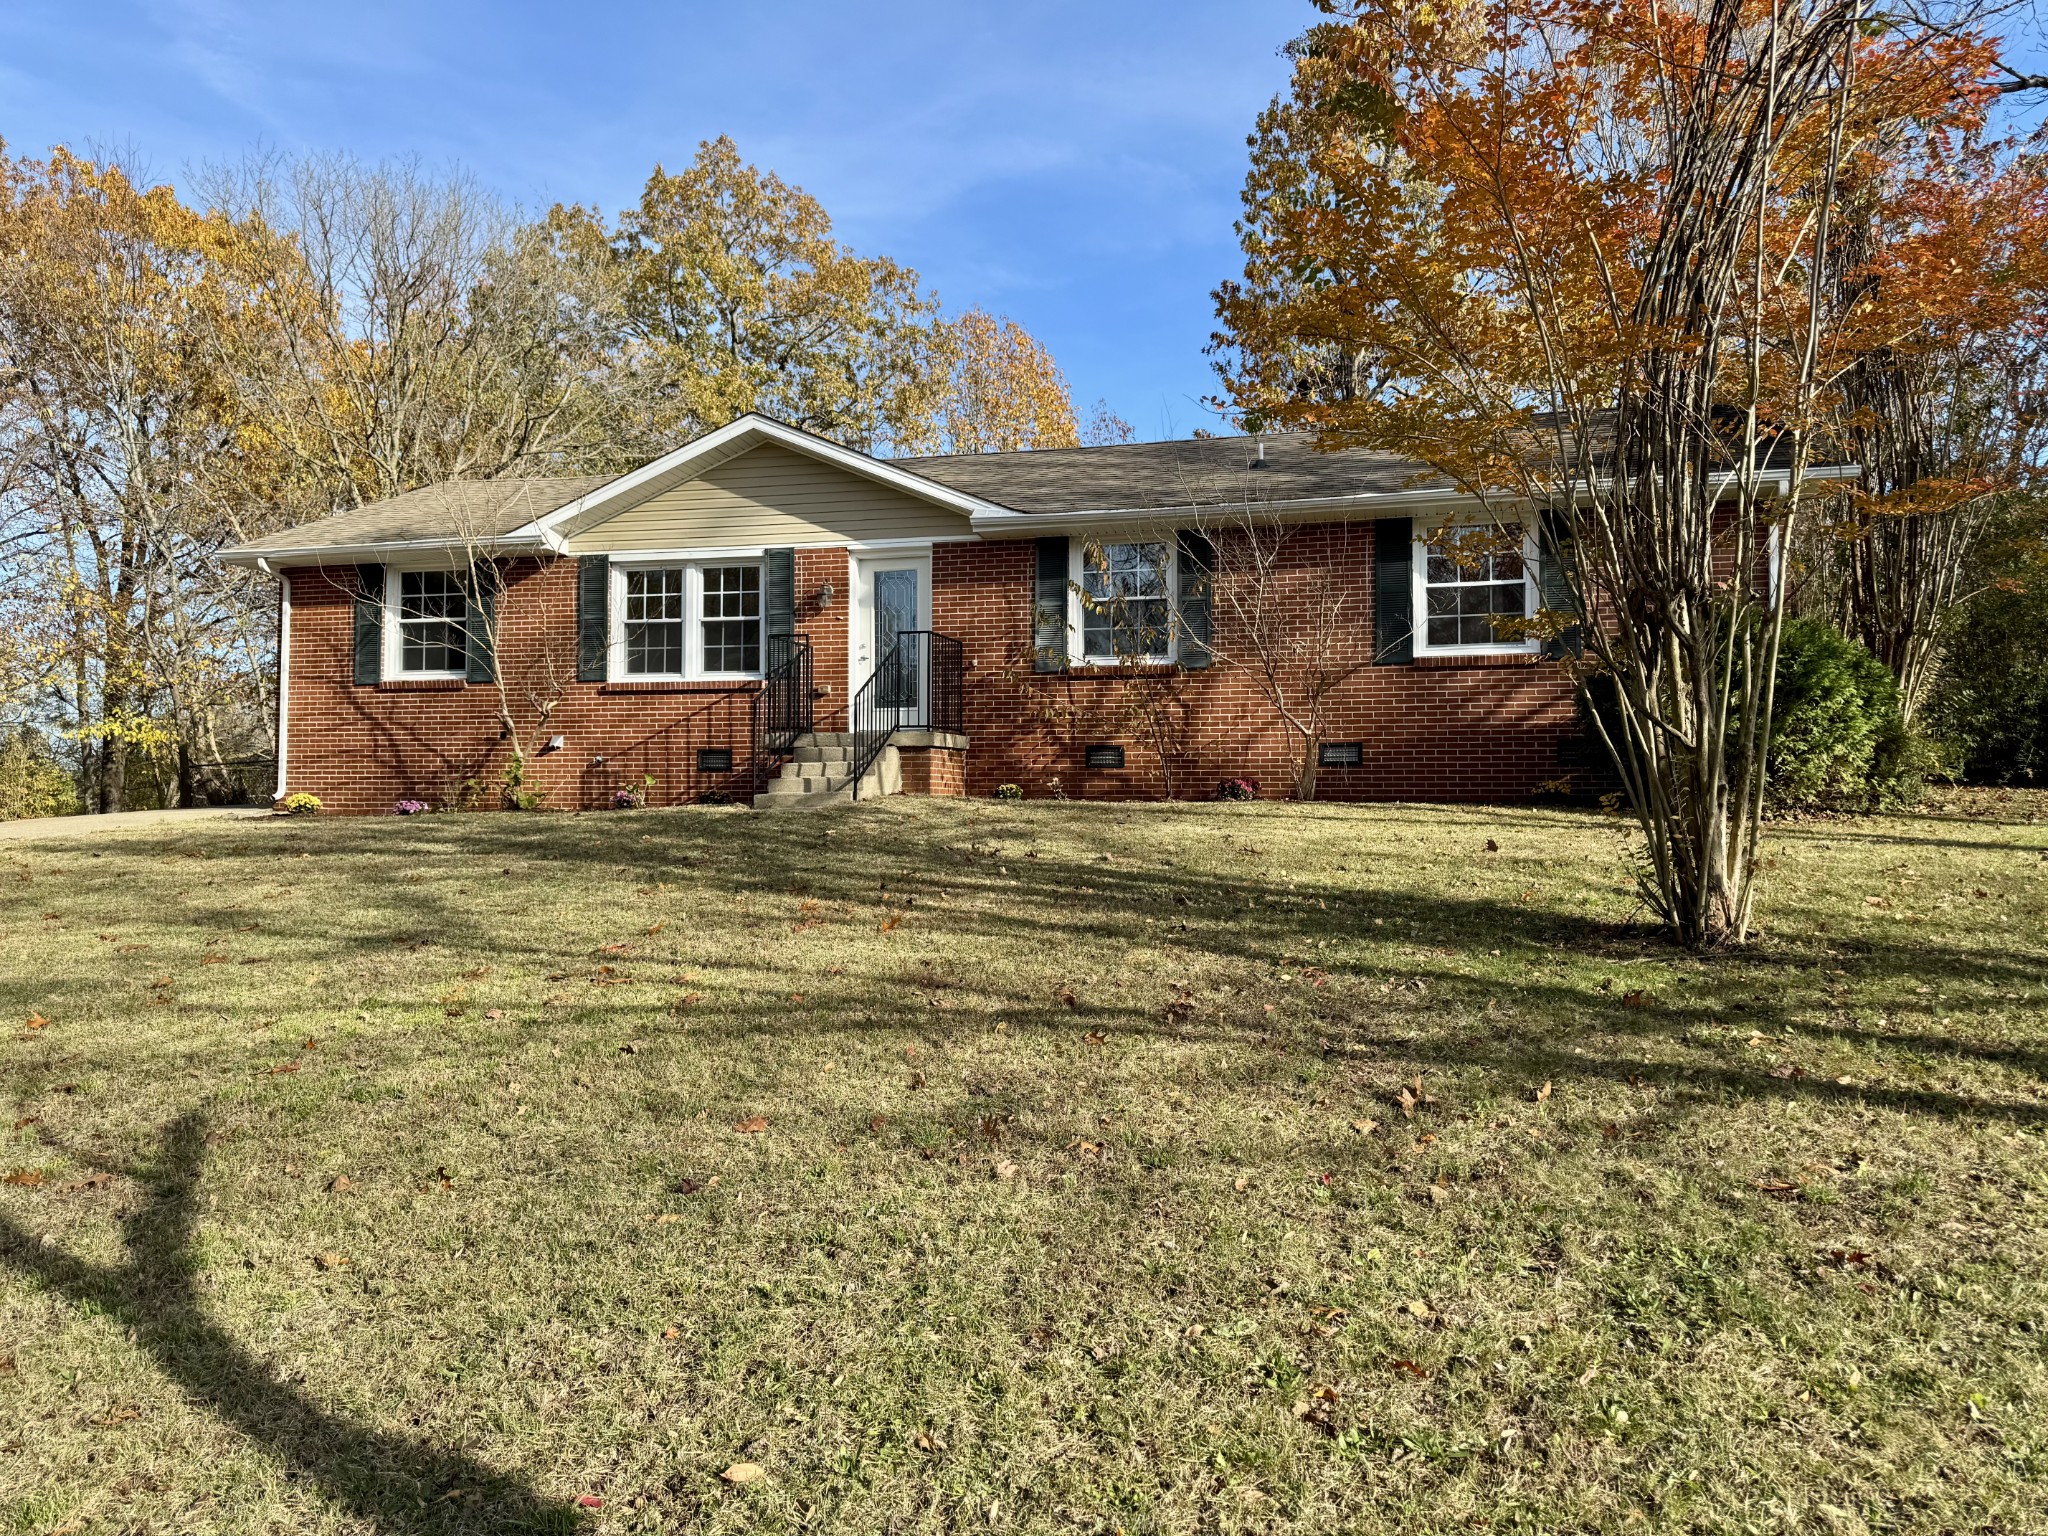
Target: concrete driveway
<point>123,821</point>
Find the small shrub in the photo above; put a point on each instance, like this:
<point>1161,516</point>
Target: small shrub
<point>1238,789</point>
<point>512,784</point>
<point>1837,742</point>
<point>299,803</point>
<point>1009,792</point>
<point>411,808</point>
<point>628,799</point>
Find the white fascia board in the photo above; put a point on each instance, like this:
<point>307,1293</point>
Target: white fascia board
<point>344,554</point>
<point>728,442</point>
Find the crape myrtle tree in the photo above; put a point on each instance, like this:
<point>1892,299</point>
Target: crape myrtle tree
<point>1582,259</point>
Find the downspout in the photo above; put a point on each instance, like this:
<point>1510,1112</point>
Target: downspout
<point>284,668</point>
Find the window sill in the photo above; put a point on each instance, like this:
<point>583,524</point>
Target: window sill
<point>683,685</point>
<point>422,684</point>
<point>1516,658</point>
<point>1116,669</point>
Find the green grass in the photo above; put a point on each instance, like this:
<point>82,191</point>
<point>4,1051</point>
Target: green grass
<point>1063,1218</point>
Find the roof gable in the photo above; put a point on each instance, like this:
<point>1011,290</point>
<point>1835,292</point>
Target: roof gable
<point>701,456</point>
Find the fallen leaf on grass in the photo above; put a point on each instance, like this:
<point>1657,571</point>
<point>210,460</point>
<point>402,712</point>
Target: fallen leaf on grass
<point>1067,996</point>
<point>671,1333</point>
<point>657,928</point>
<point>752,1125</point>
<point>665,1219</point>
<point>26,1178</point>
<point>326,1261</point>
<point>615,949</point>
<point>741,1472</point>
<point>35,1021</point>
<point>340,1184</point>
<point>1240,1184</point>
<point>1639,998</point>
<point>26,1120</point>
<point>589,1501</point>
<point>1492,846</point>
<point>284,1066</point>
<point>1006,1170</point>
<point>1365,1127</point>
<point>1417,1308</point>
<point>1412,1369</point>
<point>889,925</point>
<point>1543,1093</point>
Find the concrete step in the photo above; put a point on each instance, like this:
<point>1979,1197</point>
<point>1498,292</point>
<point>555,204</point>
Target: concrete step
<point>802,787</point>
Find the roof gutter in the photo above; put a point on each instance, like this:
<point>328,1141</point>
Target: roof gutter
<point>1366,505</point>
<point>266,560</point>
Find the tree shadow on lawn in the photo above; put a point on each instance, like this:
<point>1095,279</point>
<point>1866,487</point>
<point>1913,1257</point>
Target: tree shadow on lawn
<point>1038,903</point>
<point>400,1486</point>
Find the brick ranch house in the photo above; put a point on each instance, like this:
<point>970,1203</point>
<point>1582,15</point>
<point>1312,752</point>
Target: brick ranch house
<point>765,609</point>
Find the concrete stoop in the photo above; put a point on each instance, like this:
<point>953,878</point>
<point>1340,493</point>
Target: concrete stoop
<point>821,773</point>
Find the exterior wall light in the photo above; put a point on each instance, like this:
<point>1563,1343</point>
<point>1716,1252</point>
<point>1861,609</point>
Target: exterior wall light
<point>825,595</point>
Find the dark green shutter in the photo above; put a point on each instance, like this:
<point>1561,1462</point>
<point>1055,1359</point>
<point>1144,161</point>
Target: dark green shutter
<point>779,593</point>
<point>593,617</point>
<point>1554,549</point>
<point>1197,571</point>
<point>1049,608</point>
<point>1393,611</point>
<point>480,624</point>
<point>369,613</point>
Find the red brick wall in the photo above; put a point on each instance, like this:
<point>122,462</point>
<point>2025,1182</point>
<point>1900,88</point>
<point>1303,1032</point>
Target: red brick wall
<point>363,749</point>
<point>934,771</point>
<point>1460,728</point>
<point>1442,730</point>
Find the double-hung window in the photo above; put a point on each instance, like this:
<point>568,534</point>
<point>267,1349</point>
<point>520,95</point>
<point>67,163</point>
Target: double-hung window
<point>1468,584</point>
<point>1126,602</point>
<point>655,631</point>
<point>688,621</point>
<point>429,607</point>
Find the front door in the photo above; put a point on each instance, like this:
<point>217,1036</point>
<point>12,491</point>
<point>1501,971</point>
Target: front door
<point>892,596</point>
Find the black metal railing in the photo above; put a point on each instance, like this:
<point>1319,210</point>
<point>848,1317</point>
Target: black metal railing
<point>918,687</point>
<point>782,705</point>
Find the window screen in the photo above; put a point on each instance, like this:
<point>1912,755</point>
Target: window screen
<point>1127,615</point>
<point>430,610</point>
<point>654,622</point>
<point>732,618</point>
<point>1468,588</point>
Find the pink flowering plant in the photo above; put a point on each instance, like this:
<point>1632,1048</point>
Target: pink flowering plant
<point>1238,789</point>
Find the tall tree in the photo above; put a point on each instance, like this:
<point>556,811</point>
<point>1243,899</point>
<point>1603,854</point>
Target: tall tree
<point>1003,392</point>
<point>418,332</point>
<point>733,296</point>
<point>124,441</point>
<point>1575,255</point>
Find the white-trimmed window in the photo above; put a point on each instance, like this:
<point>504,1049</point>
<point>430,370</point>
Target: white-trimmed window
<point>1122,609</point>
<point>425,636</point>
<point>698,620</point>
<point>1469,582</point>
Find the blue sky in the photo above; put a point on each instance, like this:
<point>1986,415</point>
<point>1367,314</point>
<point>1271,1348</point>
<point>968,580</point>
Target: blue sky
<point>1073,165</point>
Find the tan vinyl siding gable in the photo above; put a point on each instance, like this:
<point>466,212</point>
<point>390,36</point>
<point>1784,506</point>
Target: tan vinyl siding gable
<point>768,495</point>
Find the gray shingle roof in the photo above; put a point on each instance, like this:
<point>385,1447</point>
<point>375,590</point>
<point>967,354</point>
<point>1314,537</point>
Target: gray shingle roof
<point>1213,471</point>
<point>1202,471</point>
<point>457,509</point>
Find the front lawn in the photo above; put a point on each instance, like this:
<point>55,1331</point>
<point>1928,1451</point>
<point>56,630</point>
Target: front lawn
<point>1019,1168</point>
